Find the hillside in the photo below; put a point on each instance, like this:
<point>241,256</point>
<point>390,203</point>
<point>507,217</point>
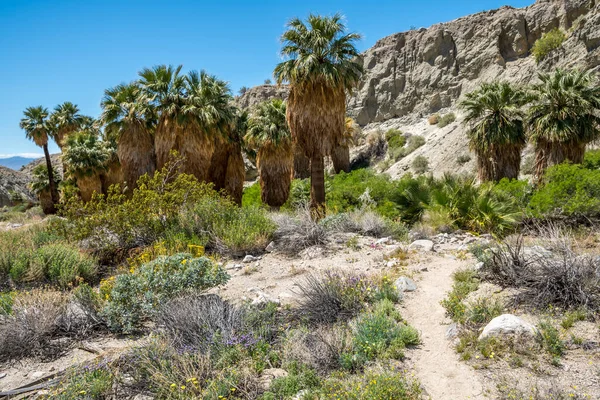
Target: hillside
<point>15,162</point>
<point>411,75</point>
<point>12,181</point>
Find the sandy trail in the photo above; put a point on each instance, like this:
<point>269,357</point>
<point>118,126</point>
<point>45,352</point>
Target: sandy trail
<point>436,363</point>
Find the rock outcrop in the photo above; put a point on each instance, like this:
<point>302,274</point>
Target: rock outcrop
<point>258,94</point>
<point>419,72</point>
<point>13,183</point>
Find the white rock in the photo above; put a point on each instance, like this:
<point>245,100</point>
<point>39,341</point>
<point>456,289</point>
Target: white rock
<point>270,247</point>
<point>2,375</point>
<point>249,258</point>
<point>478,266</point>
<point>300,395</point>
<point>312,252</point>
<point>405,284</point>
<point>424,245</point>
<point>452,331</point>
<point>391,263</point>
<point>508,324</point>
<point>37,374</point>
<point>384,240</point>
<point>263,298</point>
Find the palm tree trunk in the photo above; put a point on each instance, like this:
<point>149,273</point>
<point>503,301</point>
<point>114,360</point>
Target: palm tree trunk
<point>301,164</point>
<point>548,154</point>
<point>317,187</point>
<point>51,183</point>
<point>341,158</point>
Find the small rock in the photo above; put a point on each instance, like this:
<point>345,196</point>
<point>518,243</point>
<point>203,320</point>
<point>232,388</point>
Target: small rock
<point>384,240</point>
<point>263,298</point>
<point>269,375</point>
<point>235,266</point>
<point>270,247</point>
<point>37,374</point>
<point>249,258</point>
<point>405,284</point>
<point>312,252</point>
<point>2,375</point>
<point>424,245</point>
<point>253,289</point>
<point>391,263</point>
<point>424,269</point>
<point>300,394</point>
<point>452,331</point>
<point>469,240</point>
<point>142,397</point>
<point>508,324</point>
<point>478,266</point>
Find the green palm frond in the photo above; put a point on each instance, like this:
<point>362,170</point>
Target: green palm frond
<point>125,106</point>
<point>85,154</point>
<point>66,117</point>
<point>565,108</point>
<point>35,124</point>
<point>319,52</point>
<point>268,124</point>
<point>40,181</point>
<point>207,103</point>
<point>164,87</point>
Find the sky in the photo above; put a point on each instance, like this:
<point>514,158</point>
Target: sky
<point>60,50</point>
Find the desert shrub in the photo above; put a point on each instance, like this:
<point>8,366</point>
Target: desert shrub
<point>463,159</point>
<point>61,264</point>
<point>299,378</point>
<point>465,282</point>
<point>227,228</point>
<point>366,222</point>
<point>6,302</point>
<point>251,196</point>
<point>199,321</point>
<point>551,339</point>
<point>37,318</point>
<point>413,143</point>
<point>94,382</point>
<point>571,317</point>
<point>564,279</point>
<point>298,232</point>
<point>568,190</point>
<point>395,138</point>
<point>370,386</point>
<point>528,164</point>
<point>137,296</point>
<point>549,41</point>
<point>434,119</point>
<point>332,297</point>
<point>483,310</point>
<point>379,334</point>
<point>420,164</point>
<point>320,349</point>
<point>446,120</point>
<point>592,159</point>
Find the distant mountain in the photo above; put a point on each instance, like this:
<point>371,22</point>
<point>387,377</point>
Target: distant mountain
<point>15,162</point>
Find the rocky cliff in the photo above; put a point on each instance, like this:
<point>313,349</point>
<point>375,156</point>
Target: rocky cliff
<point>13,182</point>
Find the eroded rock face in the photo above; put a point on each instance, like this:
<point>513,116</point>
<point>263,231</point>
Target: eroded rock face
<point>258,94</point>
<point>425,70</point>
<point>12,181</point>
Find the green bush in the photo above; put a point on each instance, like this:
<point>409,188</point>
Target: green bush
<point>420,164</point>
<point>370,386</point>
<point>568,190</point>
<point>514,190</point>
<point>551,339</point>
<point>299,378</point>
<point>547,43</point>
<point>7,300</point>
<point>94,383</point>
<point>465,282</point>
<point>395,138</point>
<point>463,159</point>
<point>136,296</point>
<point>379,334</point>
<point>592,159</point>
<point>446,120</point>
<point>251,196</point>
<point>61,264</point>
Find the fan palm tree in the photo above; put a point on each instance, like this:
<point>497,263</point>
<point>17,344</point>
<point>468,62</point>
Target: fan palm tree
<point>496,130</point>
<point>235,172</point>
<point>340,155</point>
<point>130,121</point>
<point>65,120</point>
<point>564,117</point>
<point>86,158</point>
<point>301,164</point>
<point>40,185</point>
<point>268,133</point>
<point>321,67</point>
<point>36,127</point>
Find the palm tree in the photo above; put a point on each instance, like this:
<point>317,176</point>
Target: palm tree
<point>321,67</point>
<point>130,121</point>
<point>340,155</point>
<point>40,185</point>
<point>65,120</point>
<point>268,133</point>
<point>235,173</point>
<point>301,164</point>
<point>86,158</point>
<point>35,124</point>
<point>495,129</point>
<point>564,117</point>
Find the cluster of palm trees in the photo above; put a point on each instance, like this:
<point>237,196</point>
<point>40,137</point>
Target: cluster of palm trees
<point>560,116</point>
<point>164,110</point>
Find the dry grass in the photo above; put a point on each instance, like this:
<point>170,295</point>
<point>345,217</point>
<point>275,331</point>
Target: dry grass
<point>298,232</point>
<point>548,154</point>
<point>320,349</point>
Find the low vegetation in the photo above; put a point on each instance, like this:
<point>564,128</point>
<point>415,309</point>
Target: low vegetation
<point>549,42</point>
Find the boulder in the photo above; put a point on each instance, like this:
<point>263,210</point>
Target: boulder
<point>270,247</point>
<point>422,245</point>
<point>404,284</point>
<point>508,324</point>
<point>250,258</point>
<point>269,375</point>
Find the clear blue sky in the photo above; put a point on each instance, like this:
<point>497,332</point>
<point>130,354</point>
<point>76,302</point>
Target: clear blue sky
<point>57,50</point>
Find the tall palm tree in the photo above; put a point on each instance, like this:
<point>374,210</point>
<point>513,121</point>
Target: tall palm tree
<point>130,120</point>
<point>496,130</point>
<point>235,172</point>
<point>268,133</point>
<point>564,117</point>
<point>36,127</point>
<point>321,67</point>
<point>301,164</point>
<point>86,158</point>
<point>340,155</point>
<point>164,87</point>
<point>65,120</point>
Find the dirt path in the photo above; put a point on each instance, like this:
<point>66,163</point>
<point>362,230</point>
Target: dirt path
<point>436,363</point>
